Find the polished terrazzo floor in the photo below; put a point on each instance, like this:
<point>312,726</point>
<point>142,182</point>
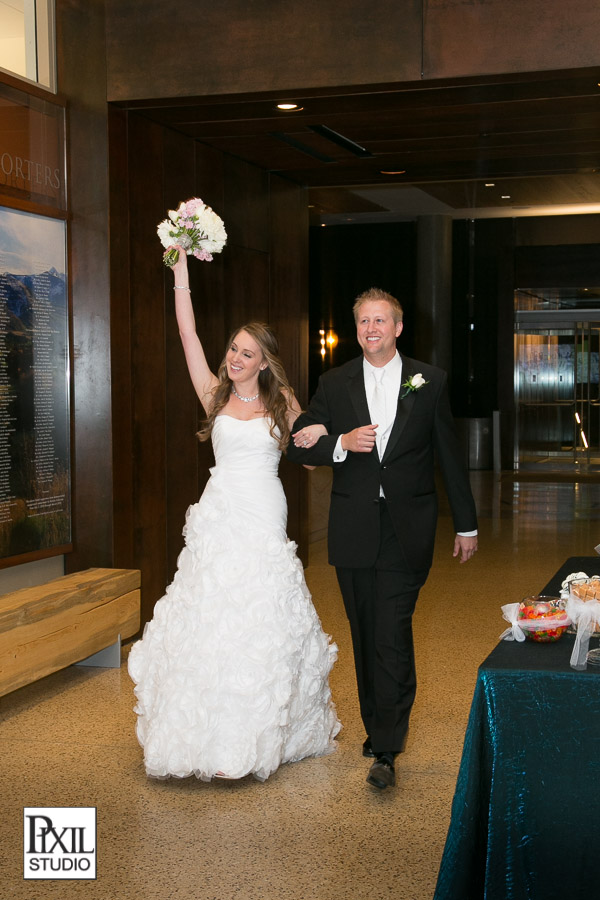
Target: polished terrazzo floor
<point>315,829</point>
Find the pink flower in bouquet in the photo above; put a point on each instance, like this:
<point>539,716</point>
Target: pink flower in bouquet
<point>196,228</point>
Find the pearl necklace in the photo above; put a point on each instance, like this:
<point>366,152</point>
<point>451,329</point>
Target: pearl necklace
<point>244,399</point>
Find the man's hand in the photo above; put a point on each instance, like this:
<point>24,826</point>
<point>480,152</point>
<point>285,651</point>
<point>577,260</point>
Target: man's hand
<point>361,440</point>
<point>466,546</point>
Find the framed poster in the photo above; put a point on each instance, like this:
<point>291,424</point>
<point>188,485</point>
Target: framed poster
<point>35,480</point>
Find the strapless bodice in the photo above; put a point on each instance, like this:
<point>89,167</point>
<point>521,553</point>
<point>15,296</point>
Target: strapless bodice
<point>245,445</point>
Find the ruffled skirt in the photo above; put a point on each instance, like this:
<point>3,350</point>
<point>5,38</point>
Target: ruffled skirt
<point>232,673</point>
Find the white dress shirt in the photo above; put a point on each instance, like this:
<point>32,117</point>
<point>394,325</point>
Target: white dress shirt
<point>391,387</point>
<point>391,383</point>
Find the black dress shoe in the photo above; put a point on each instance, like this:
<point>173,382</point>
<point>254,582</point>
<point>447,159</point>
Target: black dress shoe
<point>382,774</point>
<point>368,749</point>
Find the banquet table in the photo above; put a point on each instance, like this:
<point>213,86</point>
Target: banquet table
<point>525,821</point>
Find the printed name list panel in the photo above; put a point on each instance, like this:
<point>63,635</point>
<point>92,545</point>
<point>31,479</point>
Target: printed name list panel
<point>34,385</point>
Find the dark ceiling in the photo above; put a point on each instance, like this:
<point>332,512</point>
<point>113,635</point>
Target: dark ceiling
<point>535,138</point>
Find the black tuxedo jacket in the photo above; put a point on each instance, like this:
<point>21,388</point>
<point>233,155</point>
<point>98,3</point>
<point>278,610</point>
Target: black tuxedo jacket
<point>423,429</point>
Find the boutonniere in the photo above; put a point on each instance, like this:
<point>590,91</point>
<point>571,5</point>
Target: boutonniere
<point>414,383</point>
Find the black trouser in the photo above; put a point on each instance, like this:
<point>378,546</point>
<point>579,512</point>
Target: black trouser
<point>380,602</point>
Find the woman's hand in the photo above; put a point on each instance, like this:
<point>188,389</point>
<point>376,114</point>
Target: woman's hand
<point>309,435</point>
<point>180,269</point>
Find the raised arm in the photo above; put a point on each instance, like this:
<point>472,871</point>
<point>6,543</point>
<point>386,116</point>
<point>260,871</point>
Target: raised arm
<point>202,377</point>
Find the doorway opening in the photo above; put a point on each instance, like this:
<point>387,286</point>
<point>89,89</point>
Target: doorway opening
<point>557,385</point>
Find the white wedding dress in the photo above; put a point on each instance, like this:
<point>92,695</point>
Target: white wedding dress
<point>232,673</point>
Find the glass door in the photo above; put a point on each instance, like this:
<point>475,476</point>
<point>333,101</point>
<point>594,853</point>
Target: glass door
<point>557,395</point>
<point>587,398</point>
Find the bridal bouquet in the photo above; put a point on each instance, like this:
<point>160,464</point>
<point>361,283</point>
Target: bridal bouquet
<point>195,227</point>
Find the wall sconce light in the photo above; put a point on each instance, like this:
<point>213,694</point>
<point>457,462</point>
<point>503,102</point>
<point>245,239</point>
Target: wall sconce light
<point>328,341</point>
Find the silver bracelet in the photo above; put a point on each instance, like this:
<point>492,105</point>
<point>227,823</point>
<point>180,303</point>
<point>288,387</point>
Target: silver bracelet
<point>180,287</point>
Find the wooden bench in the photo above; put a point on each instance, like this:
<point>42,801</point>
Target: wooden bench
<point>48,627</point>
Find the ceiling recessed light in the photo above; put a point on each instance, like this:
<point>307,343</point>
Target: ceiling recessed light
<point>506,196</point>
<point>392,171</point>
<point>289,107</point>
<point>490,184</point>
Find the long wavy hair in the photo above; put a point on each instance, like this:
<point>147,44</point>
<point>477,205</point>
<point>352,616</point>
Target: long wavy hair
<point>274,388</point>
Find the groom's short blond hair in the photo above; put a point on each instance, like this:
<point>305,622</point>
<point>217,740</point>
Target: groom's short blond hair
<point>373,294</point>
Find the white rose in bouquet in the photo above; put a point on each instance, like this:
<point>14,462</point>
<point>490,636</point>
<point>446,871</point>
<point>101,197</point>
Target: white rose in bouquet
<point>196,228</point>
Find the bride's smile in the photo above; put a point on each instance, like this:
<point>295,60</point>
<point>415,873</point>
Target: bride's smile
<point>244,360</point>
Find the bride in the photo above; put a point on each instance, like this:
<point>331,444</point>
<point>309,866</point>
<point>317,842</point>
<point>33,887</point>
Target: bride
<point>232,673</point>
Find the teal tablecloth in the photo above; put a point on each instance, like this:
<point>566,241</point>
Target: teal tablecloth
<point>526,811</point>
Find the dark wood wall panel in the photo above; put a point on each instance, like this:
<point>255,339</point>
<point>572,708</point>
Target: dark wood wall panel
<point>261,275</point>
<point>289,278</point>
<point>210,176</point>
<point>120,346</point>
<point>82,78</point>
<point>208,285</point>
<point>208,279</point>
<point>146,160</point>
<point>246,286</point>
<point>485,37</point>
<point>289,316</point>
<point>181,409</point>
<point>246,189</point>
<point>242,47</point>
<point>266,46</point>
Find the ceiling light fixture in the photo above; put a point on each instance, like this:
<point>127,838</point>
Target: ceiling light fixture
<point>336,138</point>
<point>299,145</point>
<point>289,107</point>
<point>506,196</point>
<point>490,184</point>
<point>392,171</point>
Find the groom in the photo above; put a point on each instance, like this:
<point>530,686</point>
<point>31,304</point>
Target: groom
<point>387,418</point>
